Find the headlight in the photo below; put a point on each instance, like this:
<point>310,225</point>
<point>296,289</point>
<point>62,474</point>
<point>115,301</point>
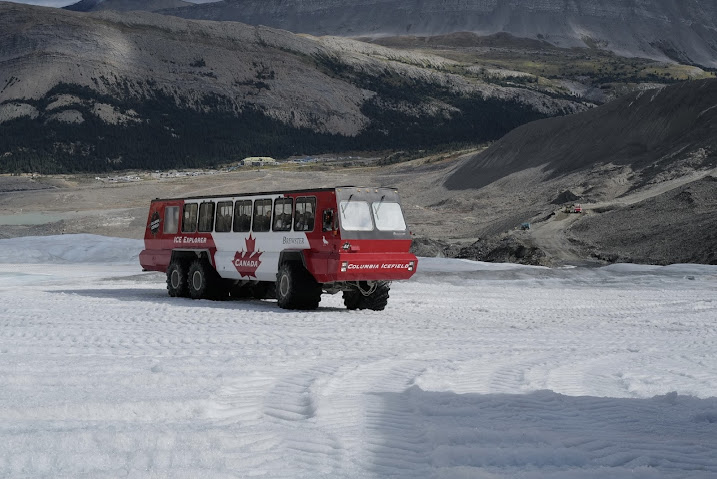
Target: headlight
<point>411,265</point>
<point>344,266</point>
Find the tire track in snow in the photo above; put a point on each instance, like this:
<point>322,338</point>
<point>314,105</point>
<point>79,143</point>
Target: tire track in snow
<point>348,407</point>
<point>290,399</point>
<point>240,399</point>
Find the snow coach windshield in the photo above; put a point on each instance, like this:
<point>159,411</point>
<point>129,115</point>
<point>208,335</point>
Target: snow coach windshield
<point>370,213</point>
<point>388,216</point>
<point>355,216</point>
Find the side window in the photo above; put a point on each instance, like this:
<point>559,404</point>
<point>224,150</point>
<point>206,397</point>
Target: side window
<point>189,218</point>
<point>224,217</point>
<point>171,219</point>
<point>242,216</point>
<point>262,215</point>
<point>206,217</point>
<point>282,214</point>
<point>305,215</point>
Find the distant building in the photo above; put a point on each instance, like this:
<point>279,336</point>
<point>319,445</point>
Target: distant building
<point>258,161</point>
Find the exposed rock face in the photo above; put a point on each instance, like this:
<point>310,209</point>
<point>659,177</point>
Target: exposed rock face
<point>662,29</point>
<point>13,110</point>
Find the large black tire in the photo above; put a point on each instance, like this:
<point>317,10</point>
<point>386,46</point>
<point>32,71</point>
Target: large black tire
<point>375,301</point>
<point>378,300</point>
<point>296,288</point>
<point>202,279</point>
<point>353,299</point>
<point>177,285</point>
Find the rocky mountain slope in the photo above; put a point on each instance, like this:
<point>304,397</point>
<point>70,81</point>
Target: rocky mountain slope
<point>105,90</point>
<point>678,226</point>
<point>593,74</point>
<point>643,167</point>
<point>684,31</point>
<point>651,133</point>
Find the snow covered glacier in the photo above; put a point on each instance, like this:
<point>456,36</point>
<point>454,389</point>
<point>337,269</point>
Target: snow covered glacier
<point>473,370</point>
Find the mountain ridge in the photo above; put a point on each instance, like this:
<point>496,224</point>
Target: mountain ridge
<point>664,30</point>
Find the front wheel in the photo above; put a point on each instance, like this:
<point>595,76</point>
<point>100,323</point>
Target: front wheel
<point>296,288</point>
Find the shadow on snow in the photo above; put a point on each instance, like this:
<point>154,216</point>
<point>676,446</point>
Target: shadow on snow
<point>158,296</point>
<point>542,434</point>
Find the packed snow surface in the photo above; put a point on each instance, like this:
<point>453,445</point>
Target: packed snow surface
<point>473,370</point>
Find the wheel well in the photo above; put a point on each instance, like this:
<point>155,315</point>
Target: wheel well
<point>292,257</point>
<point>189,256</point>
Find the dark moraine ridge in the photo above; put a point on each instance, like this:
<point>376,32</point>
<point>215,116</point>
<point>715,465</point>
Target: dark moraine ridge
<point>651,131</point>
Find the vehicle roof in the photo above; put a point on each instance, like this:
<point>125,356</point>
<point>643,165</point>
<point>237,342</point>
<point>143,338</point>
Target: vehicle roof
<point>275,192</point>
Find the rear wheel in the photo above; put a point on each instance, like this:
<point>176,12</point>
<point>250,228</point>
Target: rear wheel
<point>177,285</point>
<point>353,299</point>
<point>376,298</point>
<point>296,288</point>
<point>201,280</point>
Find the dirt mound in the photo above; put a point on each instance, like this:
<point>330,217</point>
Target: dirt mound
<point>566,196</point>
<point>506,249</point>
<point>432,248</point>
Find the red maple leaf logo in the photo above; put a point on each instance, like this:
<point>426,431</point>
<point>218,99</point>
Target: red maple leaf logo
<point>247,262</point>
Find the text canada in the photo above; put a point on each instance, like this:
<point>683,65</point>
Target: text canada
<point>246,263</point>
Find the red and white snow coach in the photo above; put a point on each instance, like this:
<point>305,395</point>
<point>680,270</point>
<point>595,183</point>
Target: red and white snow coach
<point>291,245</point>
